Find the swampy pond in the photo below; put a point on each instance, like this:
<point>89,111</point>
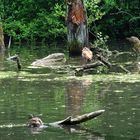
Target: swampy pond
<point>54,95</point>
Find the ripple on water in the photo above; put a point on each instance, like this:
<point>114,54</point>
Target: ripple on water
<point>11,125</point>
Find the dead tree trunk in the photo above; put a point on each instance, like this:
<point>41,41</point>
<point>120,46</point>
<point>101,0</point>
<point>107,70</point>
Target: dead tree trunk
<point>2,45</point>
<point>77,30</point>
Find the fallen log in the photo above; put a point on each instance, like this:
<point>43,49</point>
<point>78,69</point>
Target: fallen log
<point>80,119</point>
<point>118,68</point>
<point>52,59</point>
<point>102,55</point>
<point>103,60</point>
<point>79,71</point>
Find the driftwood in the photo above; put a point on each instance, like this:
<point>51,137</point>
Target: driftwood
<point>79,71</point>
<point>52,59</point>
<point>80,119</point>
<point>102,61</point>
<point>58,60</point>
<point>118,68</point>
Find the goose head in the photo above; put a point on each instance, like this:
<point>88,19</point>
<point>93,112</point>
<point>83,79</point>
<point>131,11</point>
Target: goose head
<point>34,121</point>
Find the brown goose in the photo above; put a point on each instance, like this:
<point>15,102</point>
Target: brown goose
<point>87,54</point>
<point>136,43</point>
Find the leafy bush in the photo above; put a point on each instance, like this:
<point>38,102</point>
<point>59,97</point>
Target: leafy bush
<point>32,20</point>
<point>121,19</point>
<point>41,19</point>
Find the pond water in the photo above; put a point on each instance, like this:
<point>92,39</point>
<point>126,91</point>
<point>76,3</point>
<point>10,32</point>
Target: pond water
<point>54,95</point>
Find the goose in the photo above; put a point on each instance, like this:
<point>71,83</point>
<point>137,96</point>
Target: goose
<point>34,121</point>
<point>87,54</point>
<point>136,43</point>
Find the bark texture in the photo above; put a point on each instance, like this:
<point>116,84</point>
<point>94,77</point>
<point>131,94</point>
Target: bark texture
<point>79,119</point>
<point>2,45</point>
<point>77,30</point>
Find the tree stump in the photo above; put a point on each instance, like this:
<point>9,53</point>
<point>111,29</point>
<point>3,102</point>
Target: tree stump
<point>77,30</point>
<point>2,45</point>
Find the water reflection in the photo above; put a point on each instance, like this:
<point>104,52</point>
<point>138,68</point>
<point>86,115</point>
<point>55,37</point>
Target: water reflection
<point>74,96</point>
<point>122,117</point>
<point>84,132</point>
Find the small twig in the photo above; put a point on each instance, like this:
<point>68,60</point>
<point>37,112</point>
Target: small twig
<point>9,44</point>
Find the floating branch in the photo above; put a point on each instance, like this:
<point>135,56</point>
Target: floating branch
<point>79,119</point>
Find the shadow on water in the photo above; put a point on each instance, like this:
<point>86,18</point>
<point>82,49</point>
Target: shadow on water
<point>55,95</point>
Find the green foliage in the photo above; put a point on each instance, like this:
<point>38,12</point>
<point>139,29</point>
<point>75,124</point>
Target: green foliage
<point>33,20</point>
<point>45,20</point>
<point>101,41</point>
<point>94,11</point>
<point>121,19</point>
<point>115,18</point>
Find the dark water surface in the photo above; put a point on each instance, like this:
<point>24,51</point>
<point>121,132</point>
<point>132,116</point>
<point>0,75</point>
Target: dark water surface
<point>53,96</point>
